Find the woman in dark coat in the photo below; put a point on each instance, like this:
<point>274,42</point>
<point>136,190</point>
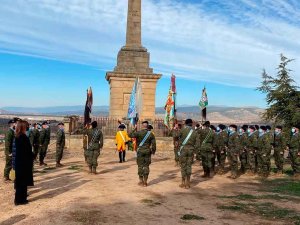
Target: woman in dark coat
<point>23,164</point>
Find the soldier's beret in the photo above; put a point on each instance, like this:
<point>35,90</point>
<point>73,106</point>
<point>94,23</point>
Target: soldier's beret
<point>298,126</point>
<point>268,127</point>
<point>222,126</point>
<point>197,125</point>
<point>279,127</point>
<point>11,121</point>
<point>122,126</point>
<point>145,122</point>
<point>206,123</point>
<point>94,124</point>
<point>150,127</point>
<point>256,127</point>
<point>213,127</point>
<point>34,124</point>
<point>252,128</point>
<point>263,128</point>
<point>45,123</point>
<point>233,126</point>
<point>16,119</point>
<point>244,127</point>
<point>188,121</point>
<point>61,124</point>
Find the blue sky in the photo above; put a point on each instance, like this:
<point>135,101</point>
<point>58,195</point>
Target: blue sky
<point>52,50</point>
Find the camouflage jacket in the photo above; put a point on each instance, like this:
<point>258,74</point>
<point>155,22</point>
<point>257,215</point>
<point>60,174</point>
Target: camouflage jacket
<point>60,138</point>
<point>9,138</point>
<point>234,143</point>
<point>264,145</point>
<point>279,142</point>
<point>42,138</point>
<point>244,141</point>
<point>175,138</point>
<point>48,136</point>
<point>206,139</point>
<point>95,143</point>
<point>252,142</point>
<point>192,142</point>
<point>222,140</point>
<point>149,144</point>
<point>294,143</point>
<point>34,137</point>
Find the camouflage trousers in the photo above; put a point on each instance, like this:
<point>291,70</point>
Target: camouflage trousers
<point>43,152</point>
<point>143,161</point>
<point>295,160</point>
<point>186,161</point>
<point>244,161</point>
<point>92,157</point>
<point>8,165</point>
<point>221,157</point>
<point>59,152</point>
<point>206,158</point>
<point>279,158</point>
<point>176,154</point>
<point>35,151</point>
<point>263,164</point>
<point>251,158</point>
<point>233,161</point>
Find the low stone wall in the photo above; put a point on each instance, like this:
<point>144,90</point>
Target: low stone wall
<point>76,142</point>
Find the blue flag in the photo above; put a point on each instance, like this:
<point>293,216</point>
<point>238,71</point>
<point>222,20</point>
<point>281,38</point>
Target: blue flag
<point>132,109</point>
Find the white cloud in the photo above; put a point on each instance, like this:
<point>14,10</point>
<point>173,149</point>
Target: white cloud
<point>228,45</point>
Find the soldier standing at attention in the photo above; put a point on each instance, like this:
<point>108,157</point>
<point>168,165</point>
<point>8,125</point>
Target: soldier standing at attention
<point>244,142</point>
<point>279,147</point>
<point>122,139</point>
<point>34,140</point>
<point>294,149</point>
<point>60,144</point>
<point>214,152</point>
<point>233,150</point>
<point>146,147</point>
<point>221,143</point>
<point>43,144</point>
<point>95,144</point>
<point>263,152</point>
<point>176,143</point>
<point>48,135</point>
<point>251,151</point>
<point>9,138</point>
<point>188,143</point>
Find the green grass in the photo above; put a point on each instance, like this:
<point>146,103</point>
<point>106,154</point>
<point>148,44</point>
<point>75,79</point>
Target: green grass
<point>49,168</point>
<point>150,202</point>
<point>240,197</point>
<point>283,186</point>
<point>192,217</point>
<point>247,197</point>
<point>74,167</point>
<point>235,206</point>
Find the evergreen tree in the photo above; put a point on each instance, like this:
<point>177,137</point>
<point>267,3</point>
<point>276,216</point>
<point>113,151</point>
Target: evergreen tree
<point>282,96</point>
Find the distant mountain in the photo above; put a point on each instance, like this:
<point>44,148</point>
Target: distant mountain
<point>216,114</point>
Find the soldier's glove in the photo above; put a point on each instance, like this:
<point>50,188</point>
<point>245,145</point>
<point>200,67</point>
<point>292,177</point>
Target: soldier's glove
<point>264,155</point>
<point>281,153</point>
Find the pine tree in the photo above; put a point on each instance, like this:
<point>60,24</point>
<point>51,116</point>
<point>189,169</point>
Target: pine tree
<point>282,96</point>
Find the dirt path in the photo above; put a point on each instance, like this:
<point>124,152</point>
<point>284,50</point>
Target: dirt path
<point>71,196</point>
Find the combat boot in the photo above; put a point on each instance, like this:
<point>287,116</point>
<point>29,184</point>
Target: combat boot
<point>145,181</point>
<point>208,173</point>
<point>141,182</point>
<point>182,185</point>
<point>205,173</point>
<point>187,184</point>
<point>94,170</point>
<point>90,169</point>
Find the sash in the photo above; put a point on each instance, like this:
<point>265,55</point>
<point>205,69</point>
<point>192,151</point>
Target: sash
<point>185,141</point>
<point>206,138</point>
<point>122,136</point>
<point>93,138</point>
<point>144,140</point>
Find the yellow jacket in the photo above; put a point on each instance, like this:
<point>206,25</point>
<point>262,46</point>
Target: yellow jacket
<point>121,138</point>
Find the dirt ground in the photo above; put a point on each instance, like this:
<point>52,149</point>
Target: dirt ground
<point>69,195</point>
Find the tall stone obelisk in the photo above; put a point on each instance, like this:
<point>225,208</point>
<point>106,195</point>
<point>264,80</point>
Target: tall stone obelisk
<point>133,61</point>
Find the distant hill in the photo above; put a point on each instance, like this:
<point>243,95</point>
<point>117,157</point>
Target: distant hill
<point>216,114</point>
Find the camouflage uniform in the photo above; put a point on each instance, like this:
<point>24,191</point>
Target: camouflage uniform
<point>251,152</point>
<point>233,153</point>
<point>43,145</point>
<point>221,143</point>
<point>176,145</point>
<point>263,155</point>
<point>244,155</point>
<point>9,138</point>
<point>34,140</point>
<point>279,147</point>
<point>95,143</point>
<point>294,146</point>
<point>206,142</point>
<point>186,154</point>
<point>144,153</point>
<point>60,145</point>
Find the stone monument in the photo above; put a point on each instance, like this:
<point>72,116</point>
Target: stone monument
<point>133,61</point>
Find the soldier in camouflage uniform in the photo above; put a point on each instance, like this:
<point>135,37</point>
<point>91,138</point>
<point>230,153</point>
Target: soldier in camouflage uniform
<point>279,147</point>
<point>233,150</point>
<point>206,143</point>
<point>9,138</point>
<point>294,149</point>
<point>263,152</point>
<point>48,135</point>
<point>188,142</point>
<point>221,143</point>
<point>43,140</point>
<point>146,147</point>
<point>60,144</point>
<point>244,142</point>
<point>251,150</point>
<point>176,143</point>
<point>34,140</point>
<point>214,152</point>
<point>95,144</point>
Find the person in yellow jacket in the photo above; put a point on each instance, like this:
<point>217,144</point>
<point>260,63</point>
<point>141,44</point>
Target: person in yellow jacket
<point>121,140</point>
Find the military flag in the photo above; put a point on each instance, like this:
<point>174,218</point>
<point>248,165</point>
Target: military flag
<point>203,104</point>
<point>170,106</point>
<point>88,107</point>
<point>135,103</point>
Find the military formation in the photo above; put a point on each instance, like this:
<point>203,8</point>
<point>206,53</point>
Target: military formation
<point>248,149</point>
<point>39,136</point>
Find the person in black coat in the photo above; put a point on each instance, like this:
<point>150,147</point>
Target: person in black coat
<point>23,164</point>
